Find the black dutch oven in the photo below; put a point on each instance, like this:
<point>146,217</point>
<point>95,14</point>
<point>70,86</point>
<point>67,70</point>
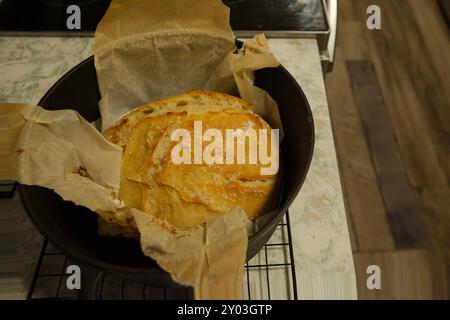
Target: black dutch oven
<point>73,229</point>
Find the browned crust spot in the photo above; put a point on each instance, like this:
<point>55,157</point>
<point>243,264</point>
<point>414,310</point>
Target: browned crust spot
<point>175,113</point>
<point>148,111</point>
<point>182,103</point>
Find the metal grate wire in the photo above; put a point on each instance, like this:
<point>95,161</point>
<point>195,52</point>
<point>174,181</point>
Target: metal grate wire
<point>271,267</point>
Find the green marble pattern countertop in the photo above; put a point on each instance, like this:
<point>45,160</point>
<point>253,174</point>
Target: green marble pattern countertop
<point>321,243</point>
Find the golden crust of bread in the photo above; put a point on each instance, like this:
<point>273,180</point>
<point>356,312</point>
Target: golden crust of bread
<point>192,102</point>
<point>187,195</point>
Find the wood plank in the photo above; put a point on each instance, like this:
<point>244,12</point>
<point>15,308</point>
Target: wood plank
<point>426,15</point>
<point>411,61</point>
<point>403,212</point>
<point>445,8</point>
<point>436,206</point>
<point>409,274</point>
<point>369,227</point>
<point>350,11</point>
<point>412,94</point>
<point>357,50</point>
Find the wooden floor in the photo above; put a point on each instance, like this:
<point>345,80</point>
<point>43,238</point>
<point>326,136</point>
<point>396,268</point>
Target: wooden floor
<point>411,58</point>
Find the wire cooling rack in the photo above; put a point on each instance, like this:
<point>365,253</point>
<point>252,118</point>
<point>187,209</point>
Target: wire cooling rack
<point>269,275</point>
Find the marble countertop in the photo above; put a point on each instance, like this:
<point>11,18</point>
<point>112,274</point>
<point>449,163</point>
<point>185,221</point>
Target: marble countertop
<point>320,237</point>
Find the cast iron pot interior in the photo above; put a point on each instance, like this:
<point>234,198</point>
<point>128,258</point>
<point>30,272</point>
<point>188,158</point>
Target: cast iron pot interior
<point>74,229</point>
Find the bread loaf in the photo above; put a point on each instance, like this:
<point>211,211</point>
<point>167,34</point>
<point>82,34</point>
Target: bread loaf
<point>188,194</point>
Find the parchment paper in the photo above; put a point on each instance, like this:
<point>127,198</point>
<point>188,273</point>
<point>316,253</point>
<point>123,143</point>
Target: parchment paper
<point>59,150</point>
<point>145,50</point>
<point>154,49</point>
<point>63,152</point>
